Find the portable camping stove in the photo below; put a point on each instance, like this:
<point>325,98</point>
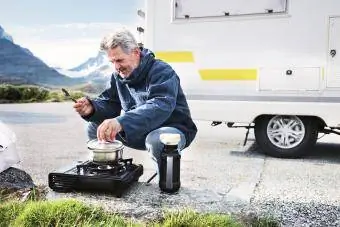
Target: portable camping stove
<point>115,177</point>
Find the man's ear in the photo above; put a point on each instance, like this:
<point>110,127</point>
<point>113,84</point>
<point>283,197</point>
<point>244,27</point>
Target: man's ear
<point>136,51</point>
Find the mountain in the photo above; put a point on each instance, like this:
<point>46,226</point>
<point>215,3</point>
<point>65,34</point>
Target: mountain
<point>95,68</point>
<point>96,71</point>
<point>92,63</point>
<point>19,66</point>
<point>4,35</point>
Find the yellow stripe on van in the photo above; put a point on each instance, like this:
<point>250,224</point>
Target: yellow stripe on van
<point>228,74</point>
<point>175,56</point>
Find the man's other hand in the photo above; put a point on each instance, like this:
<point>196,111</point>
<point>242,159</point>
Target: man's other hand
<point>108,130</point>
<point>83,106</point>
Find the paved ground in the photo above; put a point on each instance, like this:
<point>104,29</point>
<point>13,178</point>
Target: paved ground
<point>218,173</point>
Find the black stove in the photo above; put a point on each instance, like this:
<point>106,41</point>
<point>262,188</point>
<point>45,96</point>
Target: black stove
<point>115,177</point>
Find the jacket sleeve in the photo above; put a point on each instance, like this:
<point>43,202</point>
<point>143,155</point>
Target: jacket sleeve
<point>106,106</point>
<point>162,89</point>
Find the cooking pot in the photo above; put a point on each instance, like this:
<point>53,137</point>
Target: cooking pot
<point>104,152</point>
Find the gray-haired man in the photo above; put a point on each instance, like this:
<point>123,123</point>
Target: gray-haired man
<point>149,92</point>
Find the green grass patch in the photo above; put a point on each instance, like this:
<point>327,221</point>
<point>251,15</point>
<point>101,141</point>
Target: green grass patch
<point>56,213</point>
<point>70,212</point>
<point>188,218</point>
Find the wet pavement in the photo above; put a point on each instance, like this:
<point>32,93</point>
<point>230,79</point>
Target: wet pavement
<point>218,174</point>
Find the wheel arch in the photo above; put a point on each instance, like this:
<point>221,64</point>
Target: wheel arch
<point>318,120</point>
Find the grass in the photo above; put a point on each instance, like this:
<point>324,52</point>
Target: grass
<point>30,208</point>
<point>26,208</point>
<point>34,210</point>
<point>70,212</point>
<point>57,213</point>
<point>191,218</point>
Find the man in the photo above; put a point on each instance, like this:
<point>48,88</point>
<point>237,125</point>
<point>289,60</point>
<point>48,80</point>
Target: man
<point>149,93</point>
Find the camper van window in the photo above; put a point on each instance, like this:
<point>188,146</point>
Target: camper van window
<point>189,9</point>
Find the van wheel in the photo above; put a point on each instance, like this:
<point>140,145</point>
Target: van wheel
<point>285,136</point>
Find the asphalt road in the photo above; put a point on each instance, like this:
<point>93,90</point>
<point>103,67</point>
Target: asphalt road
<point>218,174</point>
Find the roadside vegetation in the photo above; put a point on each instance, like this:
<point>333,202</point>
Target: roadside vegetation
<point>35,210</point>
<point>30,93</point>
<point>75,213</point>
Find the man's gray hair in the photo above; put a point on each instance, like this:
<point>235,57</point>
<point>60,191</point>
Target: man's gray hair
<point>122,38</point>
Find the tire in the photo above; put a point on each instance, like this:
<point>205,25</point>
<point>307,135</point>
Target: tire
<point>286,136</point>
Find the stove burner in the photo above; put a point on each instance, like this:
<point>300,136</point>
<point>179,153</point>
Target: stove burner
<point>127,161</point>
<point>114,177</point>
<point>93,168</point>
<point>104,167</point>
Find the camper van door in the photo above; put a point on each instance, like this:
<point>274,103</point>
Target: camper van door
<point>333,79</point>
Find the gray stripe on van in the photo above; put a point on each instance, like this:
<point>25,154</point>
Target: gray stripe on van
<point>263,98</point>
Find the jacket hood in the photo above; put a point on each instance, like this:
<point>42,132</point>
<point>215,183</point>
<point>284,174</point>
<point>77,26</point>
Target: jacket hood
<point>147,58</point>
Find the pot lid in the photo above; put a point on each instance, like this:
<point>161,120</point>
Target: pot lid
<point>104,145</point>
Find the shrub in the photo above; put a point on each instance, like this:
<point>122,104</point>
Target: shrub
<point>9,92</point>
<point>22,93</point>
<point>55,96</point>
<point>30,93</point>
<point>42,95</point>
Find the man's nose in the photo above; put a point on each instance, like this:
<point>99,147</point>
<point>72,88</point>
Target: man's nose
<point>117,66</point>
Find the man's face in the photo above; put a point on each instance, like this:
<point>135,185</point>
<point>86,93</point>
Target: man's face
<point>124,63</point>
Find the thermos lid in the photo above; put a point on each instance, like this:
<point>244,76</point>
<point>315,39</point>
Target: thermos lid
<point>170,138</point>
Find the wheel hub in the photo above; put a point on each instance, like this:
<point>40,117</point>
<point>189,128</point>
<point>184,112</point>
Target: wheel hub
<point>285,131</point>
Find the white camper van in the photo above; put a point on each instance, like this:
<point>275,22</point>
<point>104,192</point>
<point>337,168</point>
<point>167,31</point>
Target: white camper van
<point>271,65</point>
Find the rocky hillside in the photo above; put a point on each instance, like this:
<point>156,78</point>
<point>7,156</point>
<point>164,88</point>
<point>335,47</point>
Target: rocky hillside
<point>19,66</point>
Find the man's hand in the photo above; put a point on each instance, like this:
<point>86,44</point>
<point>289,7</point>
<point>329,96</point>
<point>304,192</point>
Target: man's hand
<point>108,130</point>
<point>83,106</point>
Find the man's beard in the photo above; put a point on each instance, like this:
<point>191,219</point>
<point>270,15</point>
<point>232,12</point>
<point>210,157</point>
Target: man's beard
<point>125,72</point>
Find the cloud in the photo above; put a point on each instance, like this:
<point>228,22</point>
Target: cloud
<point>64,45</point>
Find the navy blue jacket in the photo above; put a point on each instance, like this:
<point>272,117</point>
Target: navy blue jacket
<point>151,97</point>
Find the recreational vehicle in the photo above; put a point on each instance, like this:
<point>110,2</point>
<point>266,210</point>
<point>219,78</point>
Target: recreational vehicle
<point>268,65</point>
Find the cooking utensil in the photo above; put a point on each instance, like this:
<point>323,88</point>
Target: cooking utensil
<point>67,94</point>
<point>104,152</point>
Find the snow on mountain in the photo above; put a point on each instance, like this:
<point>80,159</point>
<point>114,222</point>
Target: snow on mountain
<point>72,74</point>
<point>4,35</point>
<point>98,68</point>
<point>93,64</point>
<point>103,73</point>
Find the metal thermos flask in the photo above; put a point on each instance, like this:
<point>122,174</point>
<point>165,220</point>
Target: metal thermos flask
<point>169,171</point>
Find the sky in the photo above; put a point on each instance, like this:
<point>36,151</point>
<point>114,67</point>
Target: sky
<point>65,33</point>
